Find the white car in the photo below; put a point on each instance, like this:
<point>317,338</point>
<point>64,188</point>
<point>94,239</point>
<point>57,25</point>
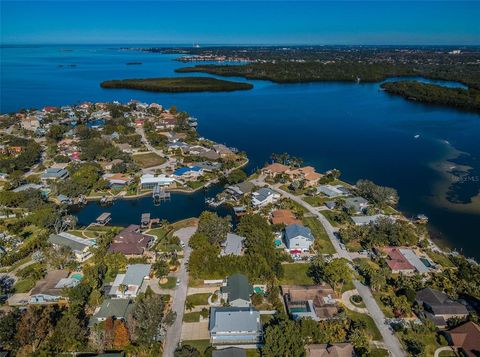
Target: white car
<point>178,281</point>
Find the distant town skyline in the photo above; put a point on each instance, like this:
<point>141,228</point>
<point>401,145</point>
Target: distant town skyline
<point>231,22</point>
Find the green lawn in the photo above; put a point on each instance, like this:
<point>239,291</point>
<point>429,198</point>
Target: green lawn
<point>24,286</point>
<point>337,218</point>
<point>296,273</point>
<point>170,284</point>
<point>148,160</point>
<point>378,352</point>
<point>158,232</point>
<point>316,201</point>
<point>440,259</point>
<point>15,265</point>
<point>371,327</point>
<point>200,345</point>
<point>322,241</point>
<point>198,299</point>
<point>191,316</point>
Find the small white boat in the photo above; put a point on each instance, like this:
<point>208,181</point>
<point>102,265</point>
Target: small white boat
<point>417,136</point>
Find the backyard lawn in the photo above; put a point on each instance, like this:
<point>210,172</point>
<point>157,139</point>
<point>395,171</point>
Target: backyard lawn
<point>24,286</point>
<point>148,160</point>
<point>296,274</point>
<point>322,241</point>
<point>170,284</point>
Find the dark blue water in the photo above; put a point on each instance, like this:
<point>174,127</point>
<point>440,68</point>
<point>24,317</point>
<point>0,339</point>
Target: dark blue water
<point>356,128</point>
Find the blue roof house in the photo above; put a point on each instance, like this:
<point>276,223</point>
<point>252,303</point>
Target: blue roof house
<point>298,237</point>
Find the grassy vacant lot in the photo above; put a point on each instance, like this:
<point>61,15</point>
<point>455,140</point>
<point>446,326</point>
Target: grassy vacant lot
<point>378,352</point>
<point>148,160</point>
<point>322,242</point>
<point>178,84</point>
<point>316,201</point>
<point>296,273</point>
<point>23,286</point>
<point>371,327</point>
<point>337,218</point>
<point>198,299</point>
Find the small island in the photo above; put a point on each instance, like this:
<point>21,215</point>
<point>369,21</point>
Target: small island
<point>466,99</point>
<point>176,85</point>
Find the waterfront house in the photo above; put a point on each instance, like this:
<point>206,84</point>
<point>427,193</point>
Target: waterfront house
<point>235,326</point>
<point>80,247</point>
<point>396,261</point>
<point>118,180</point>
<point>51,289</point>
<point>28,186</point>
<point>116,308</point>
<point>315,301</point>
<point>264,196</point>
<point>284,216</point>
<point>55,172</point>
<point>209,166</point>
<point>332,191</point>
<point>222,150</point>
<point>298,238</point>
<point>438,307</point>
<point>364,220</point>
<point>344,349</point>
<point>356,204</point>
<point>238,190</point>
<point>131,242</point>
<point>306,174</point>
<point>190,172</point>
<point>149,181</point>
<point>233,245</point>
<point>128,284</point>
<point>237,290</point>
<point>30,123</point>
<point>275,169</point>
<point>466,338</point>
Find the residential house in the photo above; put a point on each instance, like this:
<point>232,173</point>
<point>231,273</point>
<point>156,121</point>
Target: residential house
<point>187,173</point>
<point>356,204</point>
<point>397,262</point>
<point>149,181</point>
<point>316,301</point>
<point>125,147</point>
<point>275,169</point>
<point>51,288</point>
<point>233,245</point>
<point>237,290</point>
<point>466,338</point>
<point>131,242</point>
<point>222,150</point>
<point>128,284</point>
<point>55,172</point>
<point>306,174</point>
<point>438,307</point>
<point>240,189</point>
<point>344,349</point>
<point>28,186</point>
<point>235,326</point>
<point>118,180</point>
<point>364,220</point>
<point>116,308</point>
<point>332,191</point>
<point>79,246</point>
<point>298,238</point>
<point>209,166</point>
<point>284,216</point>
<point>414,260</point>
<point>30,123</point>
<point>264,196</point>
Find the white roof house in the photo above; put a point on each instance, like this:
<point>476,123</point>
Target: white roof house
<point>414,260</point>
<point>79,246</point>
<point>264,196</point>
<point>148,181</point>
<point>234,326</point>
<point>131,280</point>
<point>332,191</point>
<point>233,245</point>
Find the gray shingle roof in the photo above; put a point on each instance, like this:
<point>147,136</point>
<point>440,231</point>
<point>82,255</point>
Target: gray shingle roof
<point>233,244</point>
<point>295,230</point>
<point>226,319</point>
<point>118,308</point>
<point>69,240</point>
<point>439,302</point>
<point>238,287</point>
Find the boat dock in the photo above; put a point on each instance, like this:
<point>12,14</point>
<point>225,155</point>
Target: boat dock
<point>160,194</point>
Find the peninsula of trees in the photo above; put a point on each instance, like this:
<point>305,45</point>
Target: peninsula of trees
<point>176,85</point>
<point>467,99</point>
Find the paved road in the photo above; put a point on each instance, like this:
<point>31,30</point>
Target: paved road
<point>174,333</point>
<point>377,315</point>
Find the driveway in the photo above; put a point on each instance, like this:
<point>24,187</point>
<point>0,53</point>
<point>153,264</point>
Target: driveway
<point>174,332</point>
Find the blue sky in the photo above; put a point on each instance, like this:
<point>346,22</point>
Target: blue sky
<point>235,22</point>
